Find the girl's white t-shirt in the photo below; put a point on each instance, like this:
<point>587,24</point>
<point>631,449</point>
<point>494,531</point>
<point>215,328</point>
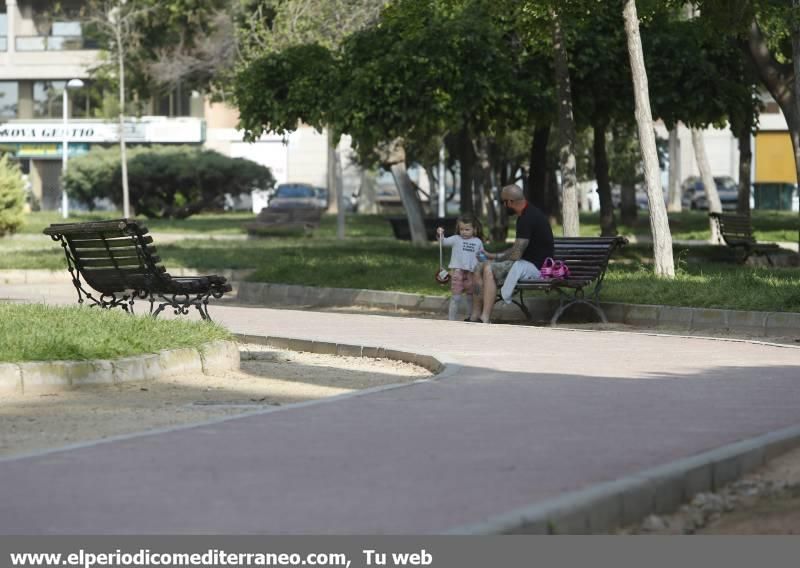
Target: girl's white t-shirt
<point>464,251</point>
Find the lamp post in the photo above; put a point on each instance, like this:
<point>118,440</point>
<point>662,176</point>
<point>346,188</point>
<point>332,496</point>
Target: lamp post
<point>71,84</point>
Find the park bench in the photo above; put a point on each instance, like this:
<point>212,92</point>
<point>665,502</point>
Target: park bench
<point>737,232</point>
<point>118,260</point>
<point>587,259</point>
<point>272,219</point>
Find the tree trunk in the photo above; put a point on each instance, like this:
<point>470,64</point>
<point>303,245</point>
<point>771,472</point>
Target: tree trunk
<point>466,159</point>
<point>367,202</point>
<point>123,154</point>
<point>745,170</point>
<point>334,186</point>
<point>393,155</point>
<point>342,206</point>
<point>709,185</point>
<point>608,224</point>
<point>483,181</point>
<point>537,172</point>
<point>627,207</point>
<point>553,197</point>
<point>659,223</point>
<point>566,131</point>
<point>674,193</point>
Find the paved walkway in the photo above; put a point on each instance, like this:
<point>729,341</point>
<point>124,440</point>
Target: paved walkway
<point>523,414</point>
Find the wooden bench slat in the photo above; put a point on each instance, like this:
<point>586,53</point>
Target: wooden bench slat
<point>110,243</point>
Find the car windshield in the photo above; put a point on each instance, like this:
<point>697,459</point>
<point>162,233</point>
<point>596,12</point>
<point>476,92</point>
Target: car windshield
<point>726,183</point>
<point>294,191</point>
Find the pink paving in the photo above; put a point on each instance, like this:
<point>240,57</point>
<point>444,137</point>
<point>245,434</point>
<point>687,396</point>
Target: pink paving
<point>522,415</point>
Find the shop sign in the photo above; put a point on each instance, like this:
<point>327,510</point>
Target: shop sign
<point>186,131</point>
<point>44,151</point>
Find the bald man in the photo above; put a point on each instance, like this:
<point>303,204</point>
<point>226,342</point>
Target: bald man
<point>522,261</point>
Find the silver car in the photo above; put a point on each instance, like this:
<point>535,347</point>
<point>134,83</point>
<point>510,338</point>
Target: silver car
<point>295,196</point>
<point>694,194</point>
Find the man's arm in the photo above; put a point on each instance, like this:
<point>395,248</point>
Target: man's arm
<point>515,252</point>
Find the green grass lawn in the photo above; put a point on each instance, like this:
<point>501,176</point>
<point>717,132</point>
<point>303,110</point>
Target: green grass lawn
<point>371,258</point>
<point>56,333</point>
<point>207,223</point>
<point>694,225</point>
<point>687,225</point>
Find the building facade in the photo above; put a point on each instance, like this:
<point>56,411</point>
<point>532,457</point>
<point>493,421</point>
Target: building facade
<point>39,55</point>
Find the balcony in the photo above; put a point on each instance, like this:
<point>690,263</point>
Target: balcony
<point>54,43</point>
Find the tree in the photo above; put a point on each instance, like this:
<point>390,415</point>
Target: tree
<point>166,181</point>
<point>134,33</point>
<point>270,26</point>
<point>659,223</point>
<point>768,33</point>
<point>12,196</point>
<point>566,129</point>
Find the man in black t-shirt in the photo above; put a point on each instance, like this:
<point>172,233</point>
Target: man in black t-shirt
<point>534,243</point>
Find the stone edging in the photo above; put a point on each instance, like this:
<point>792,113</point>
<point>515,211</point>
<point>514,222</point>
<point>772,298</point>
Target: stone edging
<point>49,376</point>
<point>604,507</point>
<point>433,364</point>
<point>765,324</point>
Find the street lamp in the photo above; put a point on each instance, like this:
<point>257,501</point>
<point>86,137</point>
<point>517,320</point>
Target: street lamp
<point>71,84</point>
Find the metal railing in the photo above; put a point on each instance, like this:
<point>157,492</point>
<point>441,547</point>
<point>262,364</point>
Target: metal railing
<point>54,43</point>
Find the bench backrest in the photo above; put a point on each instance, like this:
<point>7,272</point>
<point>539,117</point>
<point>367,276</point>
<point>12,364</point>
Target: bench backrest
<point>735,229</point>
<point>111,256</point>
<point>586,257</point>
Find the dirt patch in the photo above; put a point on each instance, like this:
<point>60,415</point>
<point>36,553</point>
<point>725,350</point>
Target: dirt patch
<point>268,378</point>
<point>766,502</point>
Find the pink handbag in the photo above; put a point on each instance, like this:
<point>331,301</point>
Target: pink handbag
<point>546,270</point>
<point>560,270</point>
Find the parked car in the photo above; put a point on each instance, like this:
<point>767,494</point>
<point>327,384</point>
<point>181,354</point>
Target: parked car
<point>295,196</point>
<point>694,195</point>
<point>323,197</point>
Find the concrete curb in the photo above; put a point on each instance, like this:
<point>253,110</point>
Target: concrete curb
<point>765,324</point>
<point>435,364</point>
<point>53,376</point>
<point>604,507</point>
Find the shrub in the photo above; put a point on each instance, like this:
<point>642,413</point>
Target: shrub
<point>12,196</point>
<point>165,181</point>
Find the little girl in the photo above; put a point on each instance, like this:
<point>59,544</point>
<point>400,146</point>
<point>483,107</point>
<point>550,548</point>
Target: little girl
<point>466,245</point>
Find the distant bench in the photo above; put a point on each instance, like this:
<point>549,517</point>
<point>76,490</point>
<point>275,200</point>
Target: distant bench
<point>737,232</point>
<point>272,219</point>
<point>118,260</point>
<point>587,259</point>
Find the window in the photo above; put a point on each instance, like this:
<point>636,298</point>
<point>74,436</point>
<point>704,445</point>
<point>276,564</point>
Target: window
<point>9,99</point>
<point>66,29</point>
<point>47,99</point>
<point>175,103</point>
